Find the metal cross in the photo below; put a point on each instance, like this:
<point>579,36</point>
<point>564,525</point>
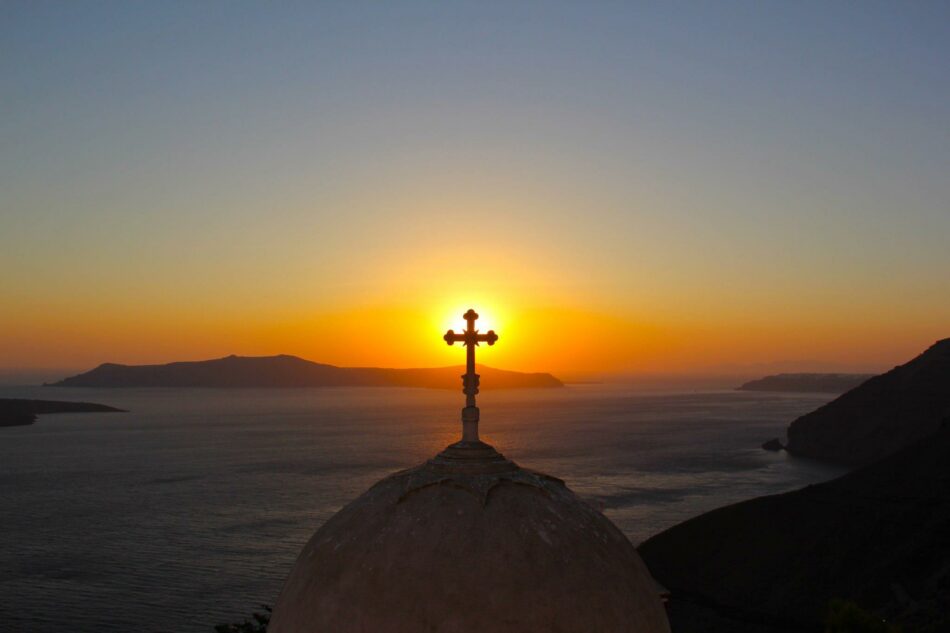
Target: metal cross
<point>470,338</point>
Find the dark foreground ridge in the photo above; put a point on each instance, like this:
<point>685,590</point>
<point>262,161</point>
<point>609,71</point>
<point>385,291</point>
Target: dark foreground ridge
<point>18,412</point>
<point>882,415</point>
<point>291,371</point>
<point>879,536</point>
<point>806,383</point>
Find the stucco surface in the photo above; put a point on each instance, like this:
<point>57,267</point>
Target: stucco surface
<point>468,542</point>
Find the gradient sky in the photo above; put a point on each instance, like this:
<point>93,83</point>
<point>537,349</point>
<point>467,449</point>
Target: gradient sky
<point>637,187</point>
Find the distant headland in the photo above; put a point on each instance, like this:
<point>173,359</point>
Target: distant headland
<point>806,383</point>
<point>291,371</point>
<point>882,415</point>
<point>20,412</point>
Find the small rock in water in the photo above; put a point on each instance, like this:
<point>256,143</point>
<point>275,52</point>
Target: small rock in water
<point>773,445</point>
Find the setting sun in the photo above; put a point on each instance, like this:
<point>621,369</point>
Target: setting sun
<point>486,320</point>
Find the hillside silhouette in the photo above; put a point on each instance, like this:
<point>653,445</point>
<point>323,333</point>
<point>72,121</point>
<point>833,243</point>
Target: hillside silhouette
<point>882,415</point>
<point>879,536</point>
<point>291,371</point>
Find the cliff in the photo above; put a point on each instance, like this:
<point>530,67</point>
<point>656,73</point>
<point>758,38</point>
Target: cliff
<point>882,415</point>
<point>290,371</point>
<point>879,536</point>
<point>806,383</point>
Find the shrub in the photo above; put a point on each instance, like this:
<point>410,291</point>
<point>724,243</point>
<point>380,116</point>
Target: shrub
<point>257,623</point>
<point>845,616</point>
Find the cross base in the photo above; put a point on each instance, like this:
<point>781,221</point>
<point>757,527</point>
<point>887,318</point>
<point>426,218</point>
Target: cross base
<point>470,424</point>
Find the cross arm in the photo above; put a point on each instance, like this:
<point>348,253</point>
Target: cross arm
<point>488,337</point>
<point>470,337</point>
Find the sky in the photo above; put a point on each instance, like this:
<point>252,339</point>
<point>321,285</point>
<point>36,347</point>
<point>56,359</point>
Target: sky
<point>616,187</point>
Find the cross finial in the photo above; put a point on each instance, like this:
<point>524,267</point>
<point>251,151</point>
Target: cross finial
<point>470,338</point>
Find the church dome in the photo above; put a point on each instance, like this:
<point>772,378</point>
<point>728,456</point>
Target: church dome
<point>469,542</point>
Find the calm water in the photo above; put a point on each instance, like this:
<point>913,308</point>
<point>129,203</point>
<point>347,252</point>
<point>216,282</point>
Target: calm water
<point>190,510</point>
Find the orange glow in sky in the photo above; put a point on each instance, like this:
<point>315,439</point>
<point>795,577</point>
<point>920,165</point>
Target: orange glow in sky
<point>534,336</point>
<point>555,308</point>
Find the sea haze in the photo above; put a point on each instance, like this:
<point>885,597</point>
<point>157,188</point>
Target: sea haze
<point>190,510</point>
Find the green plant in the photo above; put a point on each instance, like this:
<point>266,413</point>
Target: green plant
<point>845,616</point>
<point>257,623</point>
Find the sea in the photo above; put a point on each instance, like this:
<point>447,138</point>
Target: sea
<point>189,510</point>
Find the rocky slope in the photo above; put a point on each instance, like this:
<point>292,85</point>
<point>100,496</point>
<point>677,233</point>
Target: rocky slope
<point>882,415</point>
<point>879,536</point>
<point>290,371</point>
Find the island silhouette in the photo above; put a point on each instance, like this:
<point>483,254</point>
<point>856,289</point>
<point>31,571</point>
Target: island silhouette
<point>292,371</point>
<point>805,383</point>
<point>22,411</point>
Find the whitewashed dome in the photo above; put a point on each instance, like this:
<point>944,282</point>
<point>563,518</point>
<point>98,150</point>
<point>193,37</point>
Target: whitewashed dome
<point>469,542</point>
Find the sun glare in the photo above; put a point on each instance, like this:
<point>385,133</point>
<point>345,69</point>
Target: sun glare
<point>452,319</point>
